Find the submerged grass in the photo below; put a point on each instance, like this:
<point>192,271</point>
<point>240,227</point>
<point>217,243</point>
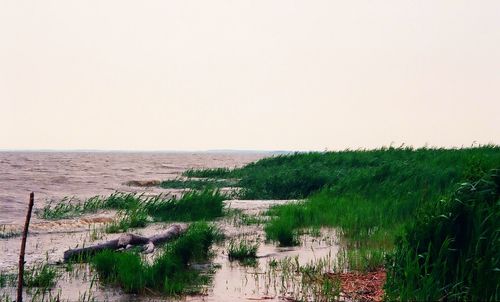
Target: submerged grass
<point>238,218</point>
<point>310,281</point>
<point>242,250</point>
<point>7,279</point>
<point>363,259</point>
<point>170,273</point>
<point>41,275</point>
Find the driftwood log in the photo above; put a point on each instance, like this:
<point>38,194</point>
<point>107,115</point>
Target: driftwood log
<point>127,241</point>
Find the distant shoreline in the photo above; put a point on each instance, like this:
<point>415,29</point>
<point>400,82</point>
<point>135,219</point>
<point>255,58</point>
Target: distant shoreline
<point>147,151</point>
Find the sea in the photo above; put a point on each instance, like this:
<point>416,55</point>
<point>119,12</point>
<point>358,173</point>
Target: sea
<point>55,175</point>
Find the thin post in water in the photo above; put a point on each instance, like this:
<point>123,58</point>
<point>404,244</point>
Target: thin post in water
<point>23,248</point>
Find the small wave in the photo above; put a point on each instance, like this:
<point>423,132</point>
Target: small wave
<point>170,167</point>
<point>142,183</point>
<point>56,226</point>
<point>60,180</point>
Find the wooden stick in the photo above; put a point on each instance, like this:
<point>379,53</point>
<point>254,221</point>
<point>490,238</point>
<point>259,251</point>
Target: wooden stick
<point>23,248</point>
<point>127,240</point>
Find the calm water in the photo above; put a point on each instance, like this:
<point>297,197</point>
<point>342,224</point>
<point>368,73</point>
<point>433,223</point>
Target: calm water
<point>53,175</point>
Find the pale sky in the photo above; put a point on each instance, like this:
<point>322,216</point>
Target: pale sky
<point>256,74</point>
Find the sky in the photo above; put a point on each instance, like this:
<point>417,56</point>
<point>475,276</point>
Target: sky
<point>248,75</point>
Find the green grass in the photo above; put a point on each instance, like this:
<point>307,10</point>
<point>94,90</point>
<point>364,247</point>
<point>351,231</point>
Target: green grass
<point>41,275</point>
<point>299,175</point>
<point>369,196</point>
<point>197,184</point>
<point>70,207</point>
<point>377,192</point>
<point>282,230</point>
<point>131,218</point>
<point>246,219</point>
<point>195,205</point>
<point>192,206</point>
<point>452,250</point>
<point>238,218</point>
<point>446,249</point>
<point>242,250</point>
<point>362,259</point>
<point>310,281</point>
<point>208,173</point>
<point>169,274</point>
<point>8,279</point>
<point>137,210</point>
<point>360,220</point>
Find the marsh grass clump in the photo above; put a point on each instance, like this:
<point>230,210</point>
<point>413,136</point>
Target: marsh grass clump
<point>137,210</point>
<point>192,206</point>
<point>65,208</point>
<point>362,259</point>
<point>208,173</point>
<point>310,281</point>
<point>247,219</point>
<point>299,175</point>
<point>170,273</point>
<point>198,184</point>
<point>38,279</point>
<point>243,250</point>
<point>282,231</point>
<point>452,250</point>
<point>314,231</point>
<point>238,218</point>
<point>70,207</point>
<point>7,279</point>
<point>372,194</point>
<point>95,233</point>
<point>42,275</point>
<point>42,295</point>
<point>195,205</point>
<point>132,218</point>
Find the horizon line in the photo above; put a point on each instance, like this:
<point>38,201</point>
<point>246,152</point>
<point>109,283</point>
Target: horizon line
<point>82,150</point>
<point>152,151</point>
